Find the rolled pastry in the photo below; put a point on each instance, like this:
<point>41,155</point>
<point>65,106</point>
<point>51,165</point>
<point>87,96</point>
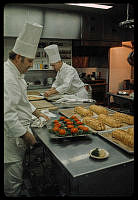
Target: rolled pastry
<point>94,123</point>
<point>124,137</point>
<point>110,121</point>
<point>98,109</point>
<point>128,119</point>
<point>83,111</point>
<point>131,131</point>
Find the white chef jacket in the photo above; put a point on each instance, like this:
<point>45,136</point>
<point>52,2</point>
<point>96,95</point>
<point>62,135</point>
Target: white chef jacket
<point>68,82</point>
<point>17,112</point>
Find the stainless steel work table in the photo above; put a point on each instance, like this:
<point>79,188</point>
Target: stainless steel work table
<point>79,174</point>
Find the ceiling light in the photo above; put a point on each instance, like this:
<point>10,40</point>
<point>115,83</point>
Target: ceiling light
<point>90,5</point>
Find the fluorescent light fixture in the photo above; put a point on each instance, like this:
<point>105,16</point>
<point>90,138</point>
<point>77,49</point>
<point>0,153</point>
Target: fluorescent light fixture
<point>90,5</point>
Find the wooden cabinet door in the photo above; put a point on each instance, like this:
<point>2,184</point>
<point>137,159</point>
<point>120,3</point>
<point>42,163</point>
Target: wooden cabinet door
<point>92,27</point>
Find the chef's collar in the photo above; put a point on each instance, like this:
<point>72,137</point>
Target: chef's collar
<point>12,65</point>
<point>61,67</point>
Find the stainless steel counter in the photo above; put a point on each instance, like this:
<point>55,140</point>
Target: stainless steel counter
<point>78,174</point>
<point>74,153</point>
<point>73,157</point>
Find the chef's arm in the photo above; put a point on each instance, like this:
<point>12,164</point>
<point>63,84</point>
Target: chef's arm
<point>38,114</point>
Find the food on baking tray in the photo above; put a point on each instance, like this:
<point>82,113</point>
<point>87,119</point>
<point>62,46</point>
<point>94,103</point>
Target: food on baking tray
<point>69,127</point>
<point>83,111</point>
<point>124,137</point>
<point>124,117</point>
<point>110,121</point>
<point>131,131</point>
<point>94,123</point>
<point>98,109</point>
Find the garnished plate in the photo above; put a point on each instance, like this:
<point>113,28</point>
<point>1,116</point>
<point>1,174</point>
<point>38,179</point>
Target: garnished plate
<point>99,153</point>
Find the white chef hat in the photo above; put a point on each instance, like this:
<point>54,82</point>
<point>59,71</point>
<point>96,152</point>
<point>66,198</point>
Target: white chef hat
<point>53,53</point>
<point>27,41</point>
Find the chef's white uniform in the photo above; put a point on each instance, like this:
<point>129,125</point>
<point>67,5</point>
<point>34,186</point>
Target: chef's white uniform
<point>68,82</point>
<point>17,118</point>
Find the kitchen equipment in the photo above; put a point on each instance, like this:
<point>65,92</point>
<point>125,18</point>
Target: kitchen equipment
<point>33,92</point>
<point>34,97</point>
<point>108,136</point>
<point>43,104</point>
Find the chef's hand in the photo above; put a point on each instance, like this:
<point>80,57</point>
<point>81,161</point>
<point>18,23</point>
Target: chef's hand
<point>29,139</point>
<point>50,92</point>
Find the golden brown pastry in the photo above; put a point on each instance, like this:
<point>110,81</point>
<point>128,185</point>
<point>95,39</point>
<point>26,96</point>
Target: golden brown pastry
<point>124,137</point>
<point>98,109</point>
<point>110,121</point>
<point>94,123</point>
<point>124,118</point>
<point>83,111</point>
<point>130,131</point>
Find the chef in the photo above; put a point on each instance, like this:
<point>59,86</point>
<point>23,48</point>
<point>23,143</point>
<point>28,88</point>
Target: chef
<point>67,79</point>
<point>17,109</point>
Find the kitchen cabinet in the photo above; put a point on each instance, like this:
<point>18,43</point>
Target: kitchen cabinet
<point>16,16</point>
<point>103,28</point>
<point>65,25</point>
<point>112,32</point>
<point>99,91</point>
<point>92,27</point>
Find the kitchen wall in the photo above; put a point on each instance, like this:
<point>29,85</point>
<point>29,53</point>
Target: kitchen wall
<point>33,75</point>
<point>119,67</point>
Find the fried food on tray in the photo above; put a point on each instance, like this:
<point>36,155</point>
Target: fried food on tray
<point>124,137</point>
<point>98,109</point>
<point>94,123</point>
<point>110,121</point>
<point>131,131</point>
<point>128,119</point>
<point>83,111</point>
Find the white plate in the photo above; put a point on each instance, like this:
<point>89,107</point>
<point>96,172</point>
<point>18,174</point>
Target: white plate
<point>106,154</point>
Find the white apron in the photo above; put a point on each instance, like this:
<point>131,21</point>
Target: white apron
<point>17,113</point>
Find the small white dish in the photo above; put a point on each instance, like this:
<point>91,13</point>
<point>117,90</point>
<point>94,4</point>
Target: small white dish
<point>102,153</point>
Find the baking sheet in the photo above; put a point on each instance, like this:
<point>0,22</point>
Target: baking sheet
<point>108,136</point>
<point>69,112</point>
<point>53,97</point>
<point>53,136</point>
<point>33,92</point>
<point>42,104</point>
<point>34,97</point>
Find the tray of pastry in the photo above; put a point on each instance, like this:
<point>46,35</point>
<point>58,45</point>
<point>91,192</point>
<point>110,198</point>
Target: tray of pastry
<point>101,122</point>
<point>90,111</point>
<point>121,137</point>
<point>43,104</point>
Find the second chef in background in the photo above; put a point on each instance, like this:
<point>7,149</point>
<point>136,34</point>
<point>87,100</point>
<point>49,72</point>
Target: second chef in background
<point>67,79</point>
